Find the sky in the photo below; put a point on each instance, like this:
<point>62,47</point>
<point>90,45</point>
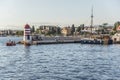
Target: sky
<point>16,13</point>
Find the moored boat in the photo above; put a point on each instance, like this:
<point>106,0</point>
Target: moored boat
<point>10,43</point>
<point>98,39</point>
<point>91,41</point>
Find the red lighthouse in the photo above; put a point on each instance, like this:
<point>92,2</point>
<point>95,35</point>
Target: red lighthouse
<point>27,34</point>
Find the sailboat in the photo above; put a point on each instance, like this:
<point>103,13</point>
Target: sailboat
<point>102,39</point>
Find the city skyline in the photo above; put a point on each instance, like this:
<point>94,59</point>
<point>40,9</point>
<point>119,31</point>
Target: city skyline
<point>63,12</point>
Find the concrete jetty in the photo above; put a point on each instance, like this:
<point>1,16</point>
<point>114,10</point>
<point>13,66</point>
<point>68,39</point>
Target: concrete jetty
<point>37,40</point>
<point>56,40</point>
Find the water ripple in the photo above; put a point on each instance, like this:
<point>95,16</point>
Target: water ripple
<point>59,62</point>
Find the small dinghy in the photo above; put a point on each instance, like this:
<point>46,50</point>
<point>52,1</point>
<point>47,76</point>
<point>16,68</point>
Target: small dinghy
<point>11,43</point>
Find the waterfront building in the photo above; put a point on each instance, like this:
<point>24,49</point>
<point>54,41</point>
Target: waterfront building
<point>88,29</point>
<point>48,29</point>
<point>8,32</point>
<point>2,33</point>
<point>116,37</point>
<point>66,31</point>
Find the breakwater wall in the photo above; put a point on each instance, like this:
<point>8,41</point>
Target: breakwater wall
<point>54,40</point>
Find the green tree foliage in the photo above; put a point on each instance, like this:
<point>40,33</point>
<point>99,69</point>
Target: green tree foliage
<point>72,29</point>
<point>79,28</point>
<point>37,31</point>
<point>116,25</point>
<point>58,30</point>
<point>50,31</point>
<point>104,28</point>
<point>105,24</point>
<point>33,29</point>
<point>53,31</point>
<point>19,33</point>
<point>82,26</point>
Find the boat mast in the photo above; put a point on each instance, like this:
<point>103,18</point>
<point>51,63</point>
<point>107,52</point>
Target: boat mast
<point>91,19</point>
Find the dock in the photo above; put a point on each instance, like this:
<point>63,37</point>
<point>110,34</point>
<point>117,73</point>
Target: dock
<point>53,40</point>
<point>65,40</point>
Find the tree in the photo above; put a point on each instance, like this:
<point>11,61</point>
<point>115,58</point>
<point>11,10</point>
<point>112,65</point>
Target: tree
<point>82,26</point>
<point>79,28</point>
<point>72,29</point>
<point>20,33</point>
<point>53,31</point>
<point>58,30</point>
<point>116,26</point>
<point>33,29</point>
<point>103,29</point>
<point>104,25</point>
<point>38,31</point>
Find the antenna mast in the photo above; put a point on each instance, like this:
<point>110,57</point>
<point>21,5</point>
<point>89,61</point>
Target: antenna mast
<point>91,19</point>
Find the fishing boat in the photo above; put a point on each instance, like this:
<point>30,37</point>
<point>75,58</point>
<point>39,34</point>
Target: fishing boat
<point>105,39</point>
<point>11,43</point>
<point>91,41</point>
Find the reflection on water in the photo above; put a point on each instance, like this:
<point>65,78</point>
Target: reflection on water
<point>27,49</point>
<point>59,62</point>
